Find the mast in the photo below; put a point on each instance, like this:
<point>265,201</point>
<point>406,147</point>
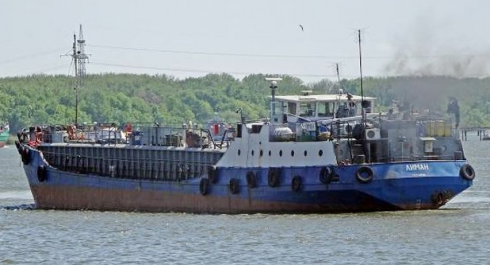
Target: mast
<point>338,77</point>
<point>339,92</point>
<point>75,60</point>
<point>82,57</point>
<point>79,60</point>
<point>363,111</point>
<point>360,65</point>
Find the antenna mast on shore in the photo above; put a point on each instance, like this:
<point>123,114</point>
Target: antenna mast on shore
<point>79,59</point>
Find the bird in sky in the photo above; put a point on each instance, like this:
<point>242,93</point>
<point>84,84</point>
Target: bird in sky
<point>301,26</point>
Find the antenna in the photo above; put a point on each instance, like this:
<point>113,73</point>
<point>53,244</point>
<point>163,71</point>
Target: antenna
<point>273,86</point>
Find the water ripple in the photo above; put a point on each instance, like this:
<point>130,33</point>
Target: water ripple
<point>456,233</point>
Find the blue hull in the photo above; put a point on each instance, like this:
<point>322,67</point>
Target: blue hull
<point>391,186</point>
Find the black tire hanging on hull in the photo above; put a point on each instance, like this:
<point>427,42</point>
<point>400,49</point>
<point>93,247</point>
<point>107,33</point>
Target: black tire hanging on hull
<point>42,173</point>
<point>296,183</point>
<point>273,177</point>
<point>467,172</point>
<point>251,180</point>
<point>234,186</point>
<point>326,175</point>
<point>26,156</point>
<point>204,186</point>
<point>364,174</point>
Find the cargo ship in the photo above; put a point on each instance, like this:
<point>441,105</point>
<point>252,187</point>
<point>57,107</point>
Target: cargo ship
<point>313,154</point>
<point>4,134</point>
<point>323,153</point>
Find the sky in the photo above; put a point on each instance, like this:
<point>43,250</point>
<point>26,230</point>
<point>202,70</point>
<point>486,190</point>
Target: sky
<point>306,39</point>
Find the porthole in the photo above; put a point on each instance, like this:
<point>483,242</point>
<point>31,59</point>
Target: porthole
<point>292,152</point>
<point>239,151</point>
<point>280,153</point>
<point>270,152</point>
<point>305,153</point>
<point>252,152</point>
<point>261,152</point>
<point>320,153</point>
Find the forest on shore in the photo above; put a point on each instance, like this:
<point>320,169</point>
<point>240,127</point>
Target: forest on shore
<point>122,98</point>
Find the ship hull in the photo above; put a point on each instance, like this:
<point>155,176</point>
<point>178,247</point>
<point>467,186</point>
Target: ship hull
<point>396,186</point>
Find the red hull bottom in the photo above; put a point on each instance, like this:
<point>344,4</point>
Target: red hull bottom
<point>74,198</point>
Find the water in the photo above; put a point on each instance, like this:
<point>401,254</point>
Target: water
<point>458,233</point>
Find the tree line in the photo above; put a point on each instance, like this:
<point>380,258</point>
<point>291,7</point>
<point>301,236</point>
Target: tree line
<point>122,98</point>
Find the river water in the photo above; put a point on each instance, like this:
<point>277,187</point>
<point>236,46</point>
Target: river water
<point>458,233</point>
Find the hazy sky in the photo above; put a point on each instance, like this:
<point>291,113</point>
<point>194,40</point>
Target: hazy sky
<point>193,38</point>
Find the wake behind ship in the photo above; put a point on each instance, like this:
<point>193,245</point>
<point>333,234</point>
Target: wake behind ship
<point>314,154</point>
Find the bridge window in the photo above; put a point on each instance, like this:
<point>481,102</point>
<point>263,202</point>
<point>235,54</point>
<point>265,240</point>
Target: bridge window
<point>292,108</point>
<point>307,109</point>
<point>325,109</point>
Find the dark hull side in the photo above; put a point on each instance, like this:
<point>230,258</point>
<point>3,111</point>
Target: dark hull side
<point>73,191</point>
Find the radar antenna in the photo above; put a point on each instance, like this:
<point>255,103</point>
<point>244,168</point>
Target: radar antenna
<point>274,112</point>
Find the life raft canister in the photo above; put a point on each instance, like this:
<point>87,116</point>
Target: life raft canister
<point>364,174</point>
<point>467,172</point>
<point>203,186</point>
<point>296,183</point>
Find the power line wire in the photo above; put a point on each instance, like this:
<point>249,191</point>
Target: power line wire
<point>221,53</point>
<point>283,55</point>
<point>199,70</point>
<point>32,55</point>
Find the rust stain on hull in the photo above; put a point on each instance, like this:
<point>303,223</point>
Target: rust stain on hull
<point>86,198</point>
